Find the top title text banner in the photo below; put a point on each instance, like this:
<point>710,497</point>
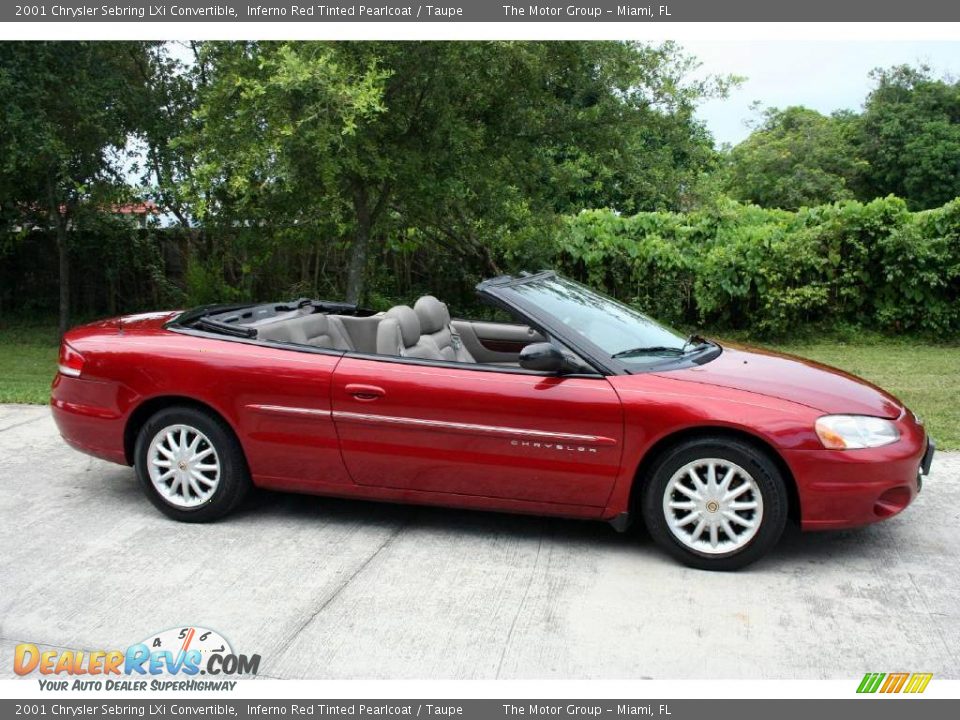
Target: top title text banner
<point>483,11</point>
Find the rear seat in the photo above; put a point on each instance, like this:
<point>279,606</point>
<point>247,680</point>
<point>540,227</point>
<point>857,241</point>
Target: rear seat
<point>424,332</point>
<point>317,330</point>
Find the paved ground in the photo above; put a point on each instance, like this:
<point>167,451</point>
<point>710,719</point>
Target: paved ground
<point>327,588</point>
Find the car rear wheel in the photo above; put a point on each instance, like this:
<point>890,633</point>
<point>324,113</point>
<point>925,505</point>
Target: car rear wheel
<point>190,465</point>
<point>715,503</point>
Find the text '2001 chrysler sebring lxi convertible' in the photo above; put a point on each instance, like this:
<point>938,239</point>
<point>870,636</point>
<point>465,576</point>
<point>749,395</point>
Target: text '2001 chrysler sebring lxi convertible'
<point>579,407</point>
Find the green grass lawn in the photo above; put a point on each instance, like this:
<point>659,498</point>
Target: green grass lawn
<point>28,362</point>
<point>925,376</point>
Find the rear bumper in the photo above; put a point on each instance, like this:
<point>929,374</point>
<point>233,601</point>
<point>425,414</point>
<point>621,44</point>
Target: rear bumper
<point>848,488</point>
<point>87,414</point>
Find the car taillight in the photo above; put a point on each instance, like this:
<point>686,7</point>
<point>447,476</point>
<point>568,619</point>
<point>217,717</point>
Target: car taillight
<point>71,362</point>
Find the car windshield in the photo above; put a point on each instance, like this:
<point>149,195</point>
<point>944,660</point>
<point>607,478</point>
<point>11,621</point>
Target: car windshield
<point>618,330</point>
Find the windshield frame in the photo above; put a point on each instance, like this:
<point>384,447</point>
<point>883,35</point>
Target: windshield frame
<point>500,291</point>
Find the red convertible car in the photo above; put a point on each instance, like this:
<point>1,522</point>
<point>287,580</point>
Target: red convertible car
<point>581,407</point>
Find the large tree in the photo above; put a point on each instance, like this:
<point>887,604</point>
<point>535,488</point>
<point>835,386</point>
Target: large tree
<point>910,136</point>
<point>795,157</point>
<point>64,120</point>
<point>458,142</point>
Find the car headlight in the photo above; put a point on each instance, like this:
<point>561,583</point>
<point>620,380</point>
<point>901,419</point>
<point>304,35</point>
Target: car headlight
<point>849,432</point>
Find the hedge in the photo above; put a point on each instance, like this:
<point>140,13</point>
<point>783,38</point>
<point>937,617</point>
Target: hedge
<point>873,266</point>
<point>869,265</point>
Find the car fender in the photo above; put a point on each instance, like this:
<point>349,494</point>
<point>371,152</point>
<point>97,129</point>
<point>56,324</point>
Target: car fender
<point>658,408</point>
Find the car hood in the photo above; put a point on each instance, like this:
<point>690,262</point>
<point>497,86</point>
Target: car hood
<point>791,378</point>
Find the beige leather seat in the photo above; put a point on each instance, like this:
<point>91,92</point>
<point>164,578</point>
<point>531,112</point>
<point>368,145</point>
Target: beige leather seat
<point>434,319</point>
<point>399,334</point>
<point>317,330</point>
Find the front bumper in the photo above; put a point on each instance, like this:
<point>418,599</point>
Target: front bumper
<point>841,489</point>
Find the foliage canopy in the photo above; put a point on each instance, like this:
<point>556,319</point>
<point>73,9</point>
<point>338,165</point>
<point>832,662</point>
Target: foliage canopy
<point>377,170</point>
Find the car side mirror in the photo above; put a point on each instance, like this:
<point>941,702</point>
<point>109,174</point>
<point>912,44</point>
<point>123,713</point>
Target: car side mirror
<point>543,356</point>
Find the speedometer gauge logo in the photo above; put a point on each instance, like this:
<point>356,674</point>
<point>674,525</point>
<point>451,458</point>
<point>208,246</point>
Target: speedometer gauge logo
<point>183,640</point>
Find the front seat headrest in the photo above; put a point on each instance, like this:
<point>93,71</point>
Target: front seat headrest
<point>433,314</point>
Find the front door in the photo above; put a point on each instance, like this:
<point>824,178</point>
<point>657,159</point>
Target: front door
<point>478,432</point>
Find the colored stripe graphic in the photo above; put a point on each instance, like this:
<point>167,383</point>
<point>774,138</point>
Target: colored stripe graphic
<point>894,682</point>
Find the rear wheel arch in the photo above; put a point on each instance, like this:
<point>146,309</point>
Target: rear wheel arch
<point>670,441</point>
<point>148,408</point>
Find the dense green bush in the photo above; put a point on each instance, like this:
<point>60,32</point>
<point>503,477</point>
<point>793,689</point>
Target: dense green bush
<point>870,265</point>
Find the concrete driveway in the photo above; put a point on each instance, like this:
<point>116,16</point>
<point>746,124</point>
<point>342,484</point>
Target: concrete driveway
<point>325,588</point>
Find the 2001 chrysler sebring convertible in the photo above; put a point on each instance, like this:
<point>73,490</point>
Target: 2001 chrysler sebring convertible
<point>582,407</point>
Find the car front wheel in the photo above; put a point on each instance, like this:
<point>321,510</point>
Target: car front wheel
<point>190,465</point>
<point>715,503</point>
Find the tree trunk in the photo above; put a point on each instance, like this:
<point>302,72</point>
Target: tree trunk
<point>63,254</point>
<point>58,216</point>
<point>366,218</point>
<point>316,270</point>
<point>356,269</point>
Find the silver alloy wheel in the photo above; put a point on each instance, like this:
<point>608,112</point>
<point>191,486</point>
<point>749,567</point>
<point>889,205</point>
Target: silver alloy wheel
<point>183,466</point>
<point>713,506</point>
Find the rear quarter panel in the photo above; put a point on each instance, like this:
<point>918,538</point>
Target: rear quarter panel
<point>277,401</point>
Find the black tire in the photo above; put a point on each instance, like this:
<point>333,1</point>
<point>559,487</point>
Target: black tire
<point>766,477</point>
<point>234,477</point>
